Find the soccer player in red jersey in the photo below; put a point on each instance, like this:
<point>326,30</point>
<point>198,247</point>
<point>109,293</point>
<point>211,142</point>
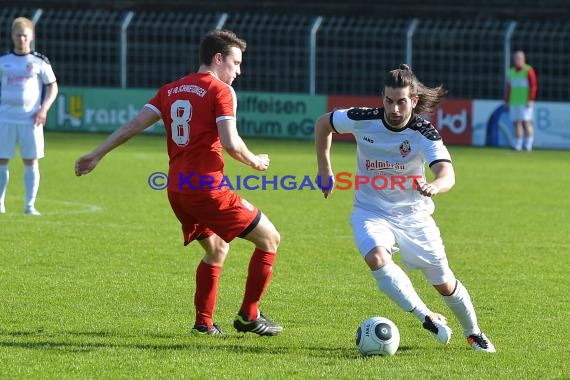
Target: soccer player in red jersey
<point>199,115</point>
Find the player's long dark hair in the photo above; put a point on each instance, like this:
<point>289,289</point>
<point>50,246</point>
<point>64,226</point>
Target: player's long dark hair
<point>429,97</point>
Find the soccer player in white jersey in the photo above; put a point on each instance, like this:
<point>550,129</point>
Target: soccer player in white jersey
<point>24,74</point>
<point>393,205</point>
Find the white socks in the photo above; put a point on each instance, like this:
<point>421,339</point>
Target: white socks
<point>460,304</point>
<point>525,143</point>
<point>396,284</point>
<point>31,183</point>
<point>528,143</point>
<point>518,143</point>
<point>4,178</point>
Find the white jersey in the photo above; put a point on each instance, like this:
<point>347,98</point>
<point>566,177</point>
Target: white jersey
<point>22,80</point>
<point>389,160</point>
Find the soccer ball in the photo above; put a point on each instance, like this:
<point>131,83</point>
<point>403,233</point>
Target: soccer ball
<point>378,336</point>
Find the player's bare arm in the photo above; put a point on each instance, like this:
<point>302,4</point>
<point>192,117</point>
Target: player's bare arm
<point>443,181</point>
<point>236,148</point>
<point>145,118</point>
<point>323,142</point>
<point>50,96</point>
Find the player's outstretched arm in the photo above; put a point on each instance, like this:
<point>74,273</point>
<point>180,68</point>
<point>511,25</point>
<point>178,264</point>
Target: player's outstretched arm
<point>323,142</point>
<point>236,148</point>
<point>144,119</point>
<point>443,182</point>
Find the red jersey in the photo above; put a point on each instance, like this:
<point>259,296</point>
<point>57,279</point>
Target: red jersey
<point>190,108</point>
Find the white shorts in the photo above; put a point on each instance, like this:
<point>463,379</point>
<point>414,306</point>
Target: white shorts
<point>523,113</point>
<point>418,240</point>
<point>29,137</point>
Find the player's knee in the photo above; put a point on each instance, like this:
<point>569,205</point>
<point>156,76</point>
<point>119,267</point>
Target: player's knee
<point>377,258</point>
<point>446,289</point>
<point>265,236</point>
<point>29,162</point>
<point>216,252</point>
<point>273,240</point>
<point>216,256</point>
<point>223,250</point>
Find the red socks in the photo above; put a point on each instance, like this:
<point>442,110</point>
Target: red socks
<point>207,277</point>
<point>258,277</point>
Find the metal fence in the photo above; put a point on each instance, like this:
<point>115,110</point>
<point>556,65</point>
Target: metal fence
<point>466,56</point>
<point>336,55</point>
<point>354,54</point>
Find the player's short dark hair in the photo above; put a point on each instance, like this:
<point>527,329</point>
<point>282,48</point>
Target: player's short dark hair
<point>219,41</point>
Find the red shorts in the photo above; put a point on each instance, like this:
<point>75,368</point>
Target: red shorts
<point>221,212</point>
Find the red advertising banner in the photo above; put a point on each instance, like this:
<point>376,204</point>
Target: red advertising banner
<point>453,120</point>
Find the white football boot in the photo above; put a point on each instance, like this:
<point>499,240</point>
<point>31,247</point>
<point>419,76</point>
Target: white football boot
<point>437,325</point>
<point>480,342</point>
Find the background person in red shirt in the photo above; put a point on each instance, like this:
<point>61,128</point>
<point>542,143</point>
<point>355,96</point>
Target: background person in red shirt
<point>522,88</point>
<point>199,115</point>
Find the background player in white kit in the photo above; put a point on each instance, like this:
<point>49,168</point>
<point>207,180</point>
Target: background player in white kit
<point>23,110</point>
<point>395,141</point>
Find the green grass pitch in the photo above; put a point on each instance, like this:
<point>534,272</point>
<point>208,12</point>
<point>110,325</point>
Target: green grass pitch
<point>101,287</point>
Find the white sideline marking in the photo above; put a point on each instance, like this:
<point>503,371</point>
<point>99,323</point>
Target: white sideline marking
<point>87,208</point>
<point>79,208</point>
